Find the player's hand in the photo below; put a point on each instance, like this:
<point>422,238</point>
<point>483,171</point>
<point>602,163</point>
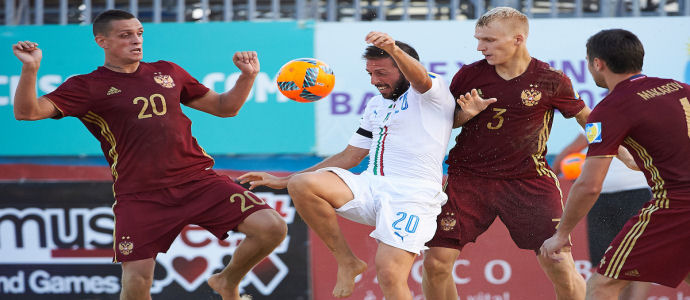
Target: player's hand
<point>381,40</point>
<point>28,53</point>
<point>472,103</point>
<point>247,62</point>
<point>262,178</point>
<point>627,158</point>
<point>551,248</point>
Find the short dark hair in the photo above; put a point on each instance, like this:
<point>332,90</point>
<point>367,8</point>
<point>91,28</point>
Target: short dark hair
<point>101,24</point>
<point>620,49</point>
<point>373,52</point>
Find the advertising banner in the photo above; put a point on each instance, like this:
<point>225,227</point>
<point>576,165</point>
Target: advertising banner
<point>56,242</point>
<point>268,122</point>
<point>444,46</point>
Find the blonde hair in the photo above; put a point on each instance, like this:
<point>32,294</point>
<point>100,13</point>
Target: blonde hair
<point>515,18</point>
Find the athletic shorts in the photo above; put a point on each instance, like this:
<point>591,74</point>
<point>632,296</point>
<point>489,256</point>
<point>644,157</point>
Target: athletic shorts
<point>147,223</point>
<point>530,208</point>
<point>653,247</point>
<point>403,210</point>
<point>608,215</point>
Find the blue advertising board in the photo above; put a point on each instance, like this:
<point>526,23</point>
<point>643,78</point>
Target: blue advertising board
<point>268,123</point>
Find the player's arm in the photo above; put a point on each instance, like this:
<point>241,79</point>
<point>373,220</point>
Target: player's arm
<point>627,158</point>
<point>26,106</point>
<point>581,198</point>
<point>228,104</point>
<point>411,68</point>
<point>579,143</point>
<point>582,116</point>
<point>623,154</point>
<point>350,157</point>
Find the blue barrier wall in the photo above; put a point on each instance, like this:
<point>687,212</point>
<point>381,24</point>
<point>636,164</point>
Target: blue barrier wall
<point>266,124</point>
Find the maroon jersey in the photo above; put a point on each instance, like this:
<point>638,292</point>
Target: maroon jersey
<point>138,120</point>
<point>508,139</point>
<point>651,118</point>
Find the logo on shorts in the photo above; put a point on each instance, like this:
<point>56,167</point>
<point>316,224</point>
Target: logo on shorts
<point>164,80</point>
<point>448,222</point>
<point>531,96</point>
<point>633,273</point>
<point>593,131</point>
<point>125,246</point>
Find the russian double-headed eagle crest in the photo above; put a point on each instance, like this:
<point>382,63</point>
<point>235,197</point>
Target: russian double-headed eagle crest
<point>448,222</point>
<point>531,96</point>
<point>125,246</point>
<point>165,81</point>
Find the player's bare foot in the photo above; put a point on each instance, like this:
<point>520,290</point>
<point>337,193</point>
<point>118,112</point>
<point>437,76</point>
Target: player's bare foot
<point>224,288</point>
<point>345,283</point>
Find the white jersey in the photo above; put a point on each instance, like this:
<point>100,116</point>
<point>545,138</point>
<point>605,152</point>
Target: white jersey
<point>408,137</point>
<point>621,178</point>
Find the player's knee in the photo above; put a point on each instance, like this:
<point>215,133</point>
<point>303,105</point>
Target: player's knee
<point>135,281</point>
<point>272,228</point>
<point>435,267</point>
<point>389,276</point>
<point>301,184</point>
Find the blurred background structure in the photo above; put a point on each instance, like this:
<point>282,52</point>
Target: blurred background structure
<point>24,12</point>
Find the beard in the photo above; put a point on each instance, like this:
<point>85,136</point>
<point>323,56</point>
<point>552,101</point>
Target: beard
<point>398,89</point>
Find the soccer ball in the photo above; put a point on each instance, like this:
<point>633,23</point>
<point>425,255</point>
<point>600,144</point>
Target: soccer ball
<point>571,165</point>
<point>305,79</point>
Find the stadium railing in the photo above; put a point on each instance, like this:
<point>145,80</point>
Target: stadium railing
<point>39,12</point>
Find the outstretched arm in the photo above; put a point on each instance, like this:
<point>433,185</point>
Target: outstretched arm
<point>228,104</point>
<point>26,106</point>
<point>581,198</point>
<point>411,68</point>
<point>350,157</point>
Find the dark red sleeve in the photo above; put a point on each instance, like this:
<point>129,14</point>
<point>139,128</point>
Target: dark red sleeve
<point>566,100</point>
<point>191,88</point>
<point>456,85</point>
<point>606,129</point>
<point>72,97</point>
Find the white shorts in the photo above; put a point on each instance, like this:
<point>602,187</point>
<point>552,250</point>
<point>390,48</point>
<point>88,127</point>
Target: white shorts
<point>403,210</point>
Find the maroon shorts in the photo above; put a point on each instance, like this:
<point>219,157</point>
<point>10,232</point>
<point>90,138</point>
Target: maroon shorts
<point>148,222</point>
<point>530,208</point>
<point>652,246</point>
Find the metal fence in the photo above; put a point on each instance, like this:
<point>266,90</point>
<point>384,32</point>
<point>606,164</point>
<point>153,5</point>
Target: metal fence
<point>24,12</point>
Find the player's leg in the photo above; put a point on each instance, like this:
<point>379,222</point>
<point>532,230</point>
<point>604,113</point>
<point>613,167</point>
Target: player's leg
<point>392,269</point>
<point>567,282</point>
<point>600,287</point>
<point>139,235</point>
<point>220,205</point>
<point>636,290</point>
<point>264,231</point>
<point>315,195</point>
<point>137,277</point>
<point>606,218</point>
<point>467,214</point>
<point>437,277</point>
<point>531,209</point>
